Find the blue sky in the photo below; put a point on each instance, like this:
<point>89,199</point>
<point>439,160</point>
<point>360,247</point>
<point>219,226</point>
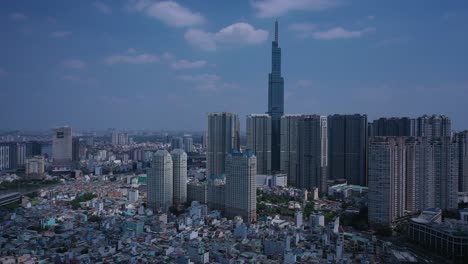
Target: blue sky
<point>166,64</point>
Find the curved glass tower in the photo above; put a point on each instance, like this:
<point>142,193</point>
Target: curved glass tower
<point>275,101</point>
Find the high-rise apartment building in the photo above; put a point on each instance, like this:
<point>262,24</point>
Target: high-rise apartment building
<point>223,137</point>
<point>21,154</point>
<point>160,181</point>
<point>312,152</point>
<point>387,168</point>
<point>275,101</point>
<point>461,140</point>
<point>289,147</point>
<point>347,137</point>
<point>62,146</point>
<point>241,193</point>
<point>179,161</point>
<point>433,126</point>
<point>76,149</point>
<point>35,167</point>
<point>8,156</point>
<point>259,141</point>
<point>393,127</point>
<point>411,174</point>
<point>33,148</point>
<point>119,139</point>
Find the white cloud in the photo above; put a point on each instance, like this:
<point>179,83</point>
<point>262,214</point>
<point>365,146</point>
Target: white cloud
<point>74,64</point>
<point>275,8</point>
<point>17,16</point>
<point>303,30</point>
<point>60,33</point>
<point>169,12</point>
<point>144,58</point>
<point>341,33</point>
<point>185,64</point>
<point>240,33</point>
<point>308,30</point>
<point>103,8</point>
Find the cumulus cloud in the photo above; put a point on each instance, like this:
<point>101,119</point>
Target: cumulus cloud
<point>60,33</point>
<point>308,30</point>
<point>103,8</point>
<point>169,12</point>
<point>17,16</point>
<point>240,33</point>
<point>186,64</point>
<point>145,58</point>
<point>275,8</point>
<point>74,64</point>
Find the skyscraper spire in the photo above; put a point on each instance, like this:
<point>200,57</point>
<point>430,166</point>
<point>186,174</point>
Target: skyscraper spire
<point>276,30</point>
<point>275,101</point>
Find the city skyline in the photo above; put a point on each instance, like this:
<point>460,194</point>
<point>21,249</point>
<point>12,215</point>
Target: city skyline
<point>62,69</point>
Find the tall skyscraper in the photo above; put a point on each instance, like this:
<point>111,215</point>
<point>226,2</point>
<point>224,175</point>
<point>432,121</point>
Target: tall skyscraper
<point>33,148</point>
<point>160,181</point>
<point>347,139</point>
<point>223,137</point>
<point>289,147</point>
<point>62,147</point>
<point>275,101</point>
<point>461,139</point>
<point>241,193</point>
<point>259,141</point>
<point>312,152</point>
<point>386,202</point>
<point>179,161</point>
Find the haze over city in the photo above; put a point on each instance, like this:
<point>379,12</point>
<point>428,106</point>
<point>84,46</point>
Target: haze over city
<point>146,64</point>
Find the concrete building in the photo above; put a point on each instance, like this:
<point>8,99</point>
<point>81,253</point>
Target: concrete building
<point>347,143</point>
<point>217,194</point>
<point>223,137</point>
<point>312,152</point>
<point>160,181</point>
<point>35,167</point>
<point>259,140</point>
<point>21,154</point>
<point>119,139</point>
<point>62,146</point>
<point>8,156</point>
<point>188,144</point>
<point>461,140</point>
<point>433,126</point>
<point>289,147</point>
<point>393,127</point>
<point>241,193</point>
<point>179,161</point>
<point>197,191</point>
<point>387,159</point>
<point>76,149</point>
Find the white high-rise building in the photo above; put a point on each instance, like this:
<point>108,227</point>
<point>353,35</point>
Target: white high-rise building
<point>223,137</point>
<point>259,140</point>
<point>241,195</point>
<point>62,152</point>
<point>387,170</point>
<point>179,161</point>
<point>160,181</point>
<point>312,152</point>
<point>288,147</point>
